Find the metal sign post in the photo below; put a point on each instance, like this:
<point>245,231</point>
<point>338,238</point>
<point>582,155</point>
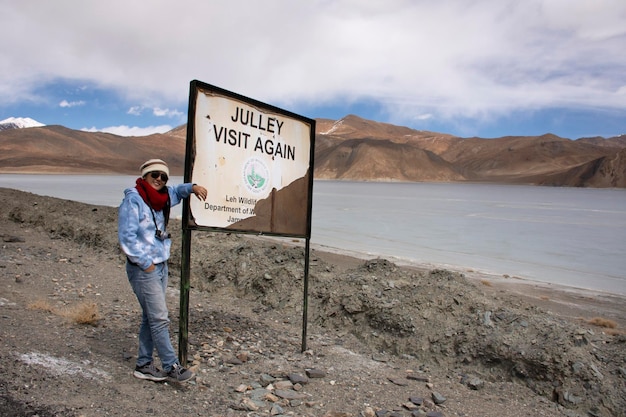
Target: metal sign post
<point>185,285</point>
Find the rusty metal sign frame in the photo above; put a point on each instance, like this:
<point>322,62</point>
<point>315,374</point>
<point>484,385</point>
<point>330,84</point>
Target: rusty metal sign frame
<point>189,222</point>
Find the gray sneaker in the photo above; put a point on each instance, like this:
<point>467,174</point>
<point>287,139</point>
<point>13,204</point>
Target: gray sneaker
<point>180,374</point>
<point>149,372</point>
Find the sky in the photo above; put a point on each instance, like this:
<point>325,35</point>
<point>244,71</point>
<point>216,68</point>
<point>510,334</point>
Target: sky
<point>486,68</point>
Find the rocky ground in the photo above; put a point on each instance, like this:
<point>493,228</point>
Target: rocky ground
<point>382,339</point>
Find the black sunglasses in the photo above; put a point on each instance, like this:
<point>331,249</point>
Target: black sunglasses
<point>163,175</point>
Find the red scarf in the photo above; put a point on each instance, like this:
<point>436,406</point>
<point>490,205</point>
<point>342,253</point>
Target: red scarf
<point>157,200</point>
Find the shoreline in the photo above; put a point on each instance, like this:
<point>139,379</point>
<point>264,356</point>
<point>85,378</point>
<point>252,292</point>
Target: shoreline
<point>472,273</point>
<point>605,287</point>
<point>466,270</point>
<point>571,302</point>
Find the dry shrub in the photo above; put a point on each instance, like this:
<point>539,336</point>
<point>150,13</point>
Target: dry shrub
<point>602,322</point>
<point>40,304</point>
<point>544,298</point>
<point>485,282</point>
<point>83,313</point>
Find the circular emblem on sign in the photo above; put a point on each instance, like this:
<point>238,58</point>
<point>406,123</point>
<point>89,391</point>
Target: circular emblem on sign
<point>256,175</point>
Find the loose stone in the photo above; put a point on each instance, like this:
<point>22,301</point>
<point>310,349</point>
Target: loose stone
<point>399,382</point>
<point>276,410</point>
<point>487,319</point>
<point>289,394</point>
<point>476,383</point>
<point>258,394</point>
<point>249,405</point>
<point>266,379</point>
<point>438,398</point>
<point>234,361</point>
<point>420,378</point>
<point>298,379</point>
<point>410,406</point>
<point>283,385</point>
<point>315,373</point>
<point>271,397</point>
<point>416,400</point>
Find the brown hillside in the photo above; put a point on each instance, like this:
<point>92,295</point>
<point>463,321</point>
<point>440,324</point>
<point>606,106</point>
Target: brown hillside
<point>615,142</point>
<point>518,159</point>
<point>59,149</point>
<point>179,133</point>
<point>351,148</point>
<point>381,160</point>
<point>354,127</point>
<point>604,172</point>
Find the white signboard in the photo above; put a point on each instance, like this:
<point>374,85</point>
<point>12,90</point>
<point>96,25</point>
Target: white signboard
<point>255,161</point>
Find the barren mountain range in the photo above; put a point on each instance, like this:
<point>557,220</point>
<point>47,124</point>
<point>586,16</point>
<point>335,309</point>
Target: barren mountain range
<point>351,148</point>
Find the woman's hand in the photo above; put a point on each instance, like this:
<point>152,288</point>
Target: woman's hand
<point>150,268</point>
<point>199,191</point>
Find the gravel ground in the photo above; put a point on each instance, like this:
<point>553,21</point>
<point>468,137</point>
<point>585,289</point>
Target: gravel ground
<point>382,339</point>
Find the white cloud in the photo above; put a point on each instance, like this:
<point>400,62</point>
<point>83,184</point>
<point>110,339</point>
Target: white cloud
<point>167,113</point>
<point>477,59</point>
<point>156,111</point>
<point>135,110</point>
<point>65,103</point>
<point>131,130</point>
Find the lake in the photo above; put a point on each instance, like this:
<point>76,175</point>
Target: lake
<point>567,236</point>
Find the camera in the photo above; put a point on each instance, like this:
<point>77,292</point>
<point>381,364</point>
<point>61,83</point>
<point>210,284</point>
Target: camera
<point>162,235</point>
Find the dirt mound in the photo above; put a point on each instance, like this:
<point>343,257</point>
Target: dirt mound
<point>435,317</point>
<point>381,334</point>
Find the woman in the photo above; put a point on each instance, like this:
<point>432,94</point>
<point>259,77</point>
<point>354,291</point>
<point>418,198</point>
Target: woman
<point>142,232</point>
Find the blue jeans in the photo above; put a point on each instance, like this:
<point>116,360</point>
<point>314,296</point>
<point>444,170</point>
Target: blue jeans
<point>149,287</point>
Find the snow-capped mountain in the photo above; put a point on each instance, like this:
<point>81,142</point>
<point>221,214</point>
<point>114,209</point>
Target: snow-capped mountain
<point>19,123</point>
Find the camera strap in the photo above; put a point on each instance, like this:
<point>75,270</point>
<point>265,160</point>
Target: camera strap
<point>166,215</point>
